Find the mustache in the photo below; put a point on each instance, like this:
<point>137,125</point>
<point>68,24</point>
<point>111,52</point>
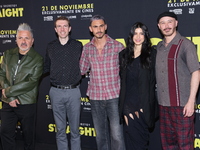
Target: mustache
<point>23,44</point>
<point>167,29</point>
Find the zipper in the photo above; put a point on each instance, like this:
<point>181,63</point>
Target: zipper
<point>14,77</point>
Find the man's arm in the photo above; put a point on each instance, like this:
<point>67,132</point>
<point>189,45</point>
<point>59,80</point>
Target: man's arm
<point>188,110</point>
<point>47,62</point>
<point>3,81</point>
<point>84,62</point>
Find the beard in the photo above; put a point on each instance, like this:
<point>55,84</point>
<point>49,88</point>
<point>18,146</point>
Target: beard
<point>99,36</point>
<point>170,31</point>
<point>22,48</point>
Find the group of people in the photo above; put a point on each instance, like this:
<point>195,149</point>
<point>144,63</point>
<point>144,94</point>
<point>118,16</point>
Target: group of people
<point>129,86</point>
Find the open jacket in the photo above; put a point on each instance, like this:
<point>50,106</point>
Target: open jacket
<point>147,82</point>
<point>28,72</point>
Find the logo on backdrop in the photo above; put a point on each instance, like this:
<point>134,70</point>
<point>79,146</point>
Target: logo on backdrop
<point>7,36</point>
<point>197,108</point>
<point>48,102</point>
<point>72,11</point>
<point>84,129</point>
<point>197,141</point>
<point>10,10</point>
<point>183,3</point>
<point>85,104</point>
<point>187,5</point>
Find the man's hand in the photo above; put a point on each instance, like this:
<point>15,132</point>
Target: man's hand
<point>188,110</point>
<point>14,103</point>
<point>3,93</point>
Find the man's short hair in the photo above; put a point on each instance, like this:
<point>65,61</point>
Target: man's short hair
<point>24,27</point>
<point>62,18</point>
<point>97,17</point>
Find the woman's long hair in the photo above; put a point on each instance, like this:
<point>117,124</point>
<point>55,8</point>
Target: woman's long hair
<point>146,46</point>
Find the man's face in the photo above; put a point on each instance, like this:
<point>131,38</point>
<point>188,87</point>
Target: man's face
<point>98,28</point>
<point>167,25</point>
<point>62,28</point>
<point>24,40</point>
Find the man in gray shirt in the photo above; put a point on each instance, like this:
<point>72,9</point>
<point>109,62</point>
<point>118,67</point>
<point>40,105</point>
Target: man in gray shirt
<point>177,73</point>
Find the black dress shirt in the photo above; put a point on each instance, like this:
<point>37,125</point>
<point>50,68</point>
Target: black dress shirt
<point>62,61</point>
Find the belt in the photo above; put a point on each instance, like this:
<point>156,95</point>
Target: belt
<point>72,86</point>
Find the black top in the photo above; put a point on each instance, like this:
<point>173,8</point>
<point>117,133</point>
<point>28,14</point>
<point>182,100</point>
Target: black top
<point>132,102</point>
<point>62,61</point>
<point>146,88</point>
<point>20,56</point>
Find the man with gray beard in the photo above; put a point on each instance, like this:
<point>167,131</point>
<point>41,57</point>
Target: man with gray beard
<point>20,72</point>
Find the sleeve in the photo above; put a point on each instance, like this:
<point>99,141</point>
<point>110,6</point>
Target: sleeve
<point>191,56</point>
<point>121,47</point>
<point>47,62</point>
<point>153,94</point>
<point>3,81</point>
<point>84,61</point>
<point>121,62</point>
<point>81,49</point>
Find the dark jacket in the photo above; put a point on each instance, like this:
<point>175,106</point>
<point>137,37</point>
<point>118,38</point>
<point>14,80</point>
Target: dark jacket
<point>147,82</point>
<point>25,86</point>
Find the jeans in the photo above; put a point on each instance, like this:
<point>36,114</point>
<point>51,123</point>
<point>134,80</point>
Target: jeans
<point>109,132</point>
<point>66,103</point>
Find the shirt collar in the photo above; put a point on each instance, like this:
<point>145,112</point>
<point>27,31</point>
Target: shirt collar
<point>68,42</point>
<point>174,40</point>
<point>108,40</point>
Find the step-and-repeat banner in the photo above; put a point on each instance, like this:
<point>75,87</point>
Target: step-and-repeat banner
<point>119,15</point>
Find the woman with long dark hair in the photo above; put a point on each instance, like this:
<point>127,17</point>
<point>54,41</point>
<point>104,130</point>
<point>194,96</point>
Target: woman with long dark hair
<point>137,96</point>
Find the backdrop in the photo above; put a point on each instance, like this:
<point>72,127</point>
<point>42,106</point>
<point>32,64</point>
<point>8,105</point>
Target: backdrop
<point>119,15</point>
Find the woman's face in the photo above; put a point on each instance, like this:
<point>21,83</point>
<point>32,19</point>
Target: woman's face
<point>138,37</point>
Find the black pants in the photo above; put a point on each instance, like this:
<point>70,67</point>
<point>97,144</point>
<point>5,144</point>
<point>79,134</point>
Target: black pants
<point>136,134</point>
<point>26,114</point>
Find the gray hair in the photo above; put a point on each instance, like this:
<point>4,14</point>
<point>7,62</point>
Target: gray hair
<point>24,27</point>
<point>97,17</point>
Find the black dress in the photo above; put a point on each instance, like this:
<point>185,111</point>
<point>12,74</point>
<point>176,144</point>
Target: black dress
<point>136,132</point>
<point>132,103</point>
